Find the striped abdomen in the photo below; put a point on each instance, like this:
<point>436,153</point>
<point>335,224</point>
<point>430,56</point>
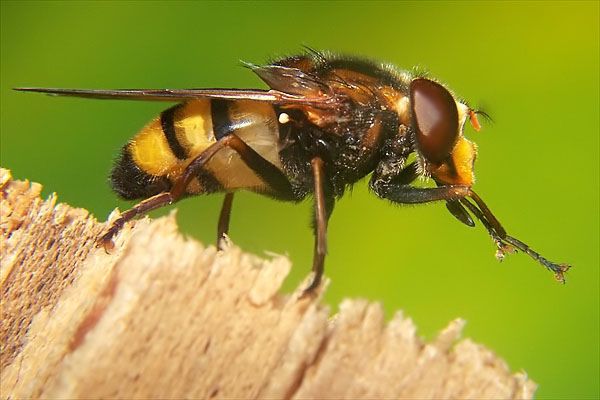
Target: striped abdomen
<point>157,156</point>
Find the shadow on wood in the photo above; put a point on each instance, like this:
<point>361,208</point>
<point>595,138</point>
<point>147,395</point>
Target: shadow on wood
<point>165,317</point>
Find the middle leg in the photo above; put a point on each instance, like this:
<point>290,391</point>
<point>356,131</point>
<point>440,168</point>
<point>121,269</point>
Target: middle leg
<point>223,227</point>
<point>323,206</point>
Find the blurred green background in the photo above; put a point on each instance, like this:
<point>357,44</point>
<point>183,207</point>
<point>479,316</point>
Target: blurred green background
<point>532,66</point>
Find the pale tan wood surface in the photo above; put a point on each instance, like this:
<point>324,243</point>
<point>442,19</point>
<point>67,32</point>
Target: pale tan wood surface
<point>165,317</point>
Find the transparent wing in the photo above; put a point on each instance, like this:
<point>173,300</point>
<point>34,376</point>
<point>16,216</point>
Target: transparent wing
<point>177,95</point>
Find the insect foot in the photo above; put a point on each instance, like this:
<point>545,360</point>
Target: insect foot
<point>106,240</point>
<point>559,271</point>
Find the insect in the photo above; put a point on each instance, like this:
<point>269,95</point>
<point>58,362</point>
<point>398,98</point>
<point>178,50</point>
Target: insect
<point>326,122</point>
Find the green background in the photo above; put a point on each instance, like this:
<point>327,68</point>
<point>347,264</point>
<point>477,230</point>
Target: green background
<point>532,66</point>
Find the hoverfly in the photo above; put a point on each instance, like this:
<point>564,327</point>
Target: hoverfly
<point>326,122</point>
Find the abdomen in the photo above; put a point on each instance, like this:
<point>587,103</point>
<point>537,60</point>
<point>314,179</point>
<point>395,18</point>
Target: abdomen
<point>159,154</point>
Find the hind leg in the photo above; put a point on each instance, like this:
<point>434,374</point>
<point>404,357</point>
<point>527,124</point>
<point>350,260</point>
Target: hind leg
<point>269,173</point>
<point>152,203</point>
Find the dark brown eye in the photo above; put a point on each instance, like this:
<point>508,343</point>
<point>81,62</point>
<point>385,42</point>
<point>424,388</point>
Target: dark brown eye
<point>435,118</point>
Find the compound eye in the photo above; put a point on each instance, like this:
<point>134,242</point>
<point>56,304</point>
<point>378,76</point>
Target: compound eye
<point>435,118</point>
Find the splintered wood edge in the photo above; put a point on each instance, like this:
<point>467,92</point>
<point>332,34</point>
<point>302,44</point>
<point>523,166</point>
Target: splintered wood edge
<point>165,317</point>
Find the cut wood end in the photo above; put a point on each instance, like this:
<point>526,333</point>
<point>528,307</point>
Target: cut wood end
<point>164,316</point>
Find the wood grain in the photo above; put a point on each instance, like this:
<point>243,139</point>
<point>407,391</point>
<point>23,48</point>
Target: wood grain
<point>165,317</point>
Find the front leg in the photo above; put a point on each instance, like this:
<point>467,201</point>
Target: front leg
<point>406,194</point>
<point>506,243</point>
<point>397,189</point>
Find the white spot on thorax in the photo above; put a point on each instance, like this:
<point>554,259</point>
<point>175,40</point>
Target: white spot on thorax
<point>284,118</point>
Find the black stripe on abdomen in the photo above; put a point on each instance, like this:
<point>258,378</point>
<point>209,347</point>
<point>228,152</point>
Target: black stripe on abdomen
<point>219,110</point>
<point>131,182</point>
<point>167,123</point>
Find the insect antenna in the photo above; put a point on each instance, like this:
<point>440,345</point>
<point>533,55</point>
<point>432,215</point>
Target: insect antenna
<point>484,114</point>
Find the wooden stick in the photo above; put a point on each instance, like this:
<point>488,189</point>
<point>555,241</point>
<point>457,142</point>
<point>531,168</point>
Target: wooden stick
<point>164,317</point>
